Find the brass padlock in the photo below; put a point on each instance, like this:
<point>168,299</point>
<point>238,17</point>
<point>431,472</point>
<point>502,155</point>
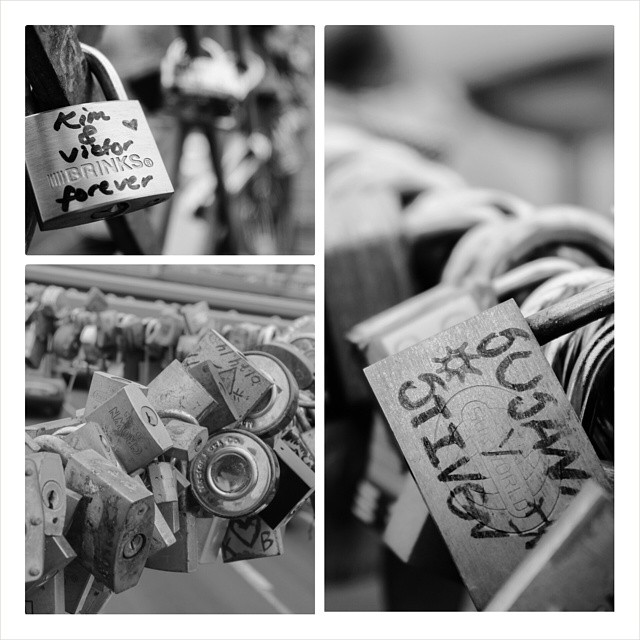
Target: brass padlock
<point>94,161</point>
<point>491,439</point>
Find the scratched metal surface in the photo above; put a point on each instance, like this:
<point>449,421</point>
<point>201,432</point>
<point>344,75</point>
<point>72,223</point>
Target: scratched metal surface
<point>490,437</point>
<point>283,584</point>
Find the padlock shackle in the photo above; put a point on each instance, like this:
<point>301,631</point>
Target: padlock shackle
<point>54,444</point>
<point>105,73</point>
<point>531,274</point>
<point>572,313</point>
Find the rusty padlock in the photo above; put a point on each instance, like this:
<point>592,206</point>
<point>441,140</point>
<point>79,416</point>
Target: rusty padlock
<point>94,161</point>
<point>112,526</point>
<point>488,433</point>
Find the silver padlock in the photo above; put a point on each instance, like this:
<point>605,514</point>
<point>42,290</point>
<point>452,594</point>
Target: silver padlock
<point>96,160</point>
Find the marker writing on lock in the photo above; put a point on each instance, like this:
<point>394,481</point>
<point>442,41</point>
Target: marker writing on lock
<point>498,464</point>
<point>78,194</point>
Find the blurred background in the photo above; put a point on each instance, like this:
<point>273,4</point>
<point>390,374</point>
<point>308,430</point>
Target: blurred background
<point>240,300</point>
<point>234,124</point>
<point>522,110</point>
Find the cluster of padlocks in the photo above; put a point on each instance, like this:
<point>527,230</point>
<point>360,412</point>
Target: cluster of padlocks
<point>485,330</point>
<point>207,461</point>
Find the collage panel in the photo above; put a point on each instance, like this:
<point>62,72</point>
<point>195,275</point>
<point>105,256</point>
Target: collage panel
<point>174,140</point>
<point>469,256</point>
<point>170,427</point>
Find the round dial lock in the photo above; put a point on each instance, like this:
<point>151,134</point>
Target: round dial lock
<point>234,475</point>
<point>274,412</point>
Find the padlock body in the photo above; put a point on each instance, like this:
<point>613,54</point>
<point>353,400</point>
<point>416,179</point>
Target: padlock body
<point>93,161</point>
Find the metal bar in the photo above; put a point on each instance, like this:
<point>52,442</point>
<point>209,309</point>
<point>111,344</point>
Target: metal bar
<point>577,311</point>
<point>176,292</point>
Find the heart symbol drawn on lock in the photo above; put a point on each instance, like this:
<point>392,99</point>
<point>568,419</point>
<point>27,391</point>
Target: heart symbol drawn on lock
<point>131,124</point>
<point>244,527</point>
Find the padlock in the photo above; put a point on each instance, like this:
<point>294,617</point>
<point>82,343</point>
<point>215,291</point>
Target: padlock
<point>162,480</point>
<point>96,301</point>
<point>52,491</point>
<point>182,556</point>
<point>295,486</point>
<point>94,161</point>
<point>245,384</point>
<point>250,538</point>
<point>572,568</point>
<point>211,532</point>
<point>293,359</point>
<point>107,329</point>
<point>92,436</point>
<point>166,330</point>
<point>50,428</point>
<point>443,306</point>
<point>34,524</point>
<point>491,439</point>
<point>512,242</point>
<point>176,388</point>
<point>293,437</point>
<point>53,301</point>
<point>36,338</point>
<point>104,386</point>
<point>30,445</point>
<point>162,536</point>
<point>58,553</point>
<point>186,344</point>
<point>196,316</point>
<point>235,475</point>
<point>66,341</point>
<point>112,526</point>
<point>88,342</point>
<point>136,433</point>
<point>242,335</point>
<point>187,440</point>
<point>276,410</point>
<point>208,83</point>
<point>225,413</point>
<point>47,597</point>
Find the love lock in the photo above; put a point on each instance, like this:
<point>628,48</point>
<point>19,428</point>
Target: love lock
<point>250,538</point>
<point>112,525</point>
<point>104,386</point>
<point>96,160</point>
<point>443,306</point>
<point>50,476</point>
<point>135,431</point>
<point>244,383</point>
<point>225,413</point>
<point>489,435</point>
<point>277,409</point>
<point>176,388</point>
<point>235,475</point>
